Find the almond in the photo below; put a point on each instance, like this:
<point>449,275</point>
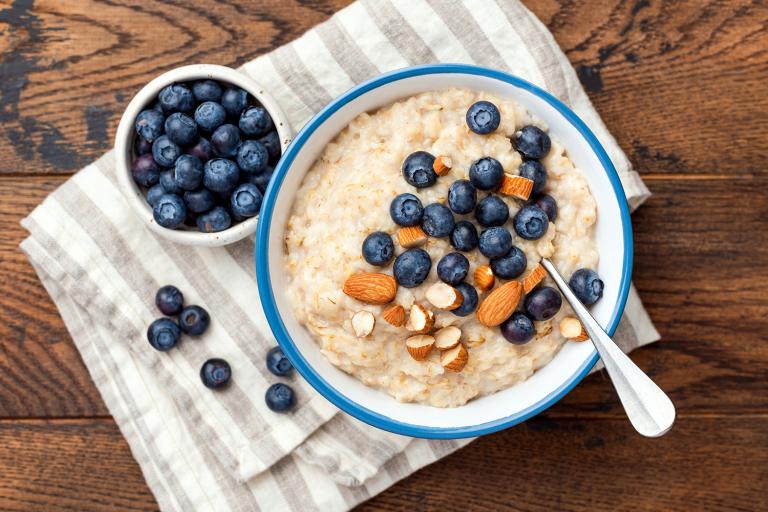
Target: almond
<point>420,320</point>
<point>484,278</point>
<point>447,337</point>
<point>419,346</point>
<point>455,359</point>
<point>395,315</point>
<point>571,328</point>
<point>500,304</point>
<point>371,287</point>
<point>411,236</point>
<point>444,296</point>
<point>362,323</point>
<point>536,276</point>
<point>516,186</point>
<point>442,165</point>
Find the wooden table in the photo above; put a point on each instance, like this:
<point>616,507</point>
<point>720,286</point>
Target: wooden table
<point>683,85</point>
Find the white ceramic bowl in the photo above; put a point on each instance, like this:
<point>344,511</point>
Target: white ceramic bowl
<point>126,134</point>
<point>490,413</point>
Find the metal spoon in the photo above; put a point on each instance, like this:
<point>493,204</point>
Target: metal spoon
<point>649,410</point>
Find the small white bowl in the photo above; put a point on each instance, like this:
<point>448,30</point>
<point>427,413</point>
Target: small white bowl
<point>126,135</point>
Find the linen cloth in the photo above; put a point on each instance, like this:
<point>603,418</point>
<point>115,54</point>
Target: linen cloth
<point>201,450</point>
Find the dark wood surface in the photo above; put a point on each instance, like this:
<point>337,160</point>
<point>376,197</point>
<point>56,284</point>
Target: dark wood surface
<point>683,87</point>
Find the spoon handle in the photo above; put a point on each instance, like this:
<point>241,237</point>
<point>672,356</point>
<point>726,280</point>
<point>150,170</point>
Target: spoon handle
<point>649,409</point>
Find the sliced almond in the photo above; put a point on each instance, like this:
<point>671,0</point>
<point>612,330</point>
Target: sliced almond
<point>447,337</point>
<point>419,346</point>
<point>516,186</point>
<point>411,236</point>
<point>362,323</point>
<point>420,319</point>
<point>571,328</point>
<point>444,296</point>
<point>395,315</point>
<point>455,359</point>
<point>536,276</point>
<point>484,278</point>
<point>499,304</point>
<point>442,165</point>
<point>371,287</point>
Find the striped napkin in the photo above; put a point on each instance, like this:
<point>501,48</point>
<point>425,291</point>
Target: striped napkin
<point>201,450</point>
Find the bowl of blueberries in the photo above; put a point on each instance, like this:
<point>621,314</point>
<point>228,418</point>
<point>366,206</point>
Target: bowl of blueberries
<point>195,151</point>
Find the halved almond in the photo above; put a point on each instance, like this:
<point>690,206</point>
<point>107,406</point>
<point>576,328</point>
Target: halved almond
<point>455,359</point>
<point>371,287</point>
<point>362,323</point>
<point>534,278</point>
<point>571,328</point>
<point>420,319</point>
<point>411,236</point>
<point>516,186</point>
<point>484,278</point>
<point>419,346</point>
<point>442,165</point>
<point>447,337</point>
<point>444,296</point>
<point>395,315</point>
<point>499,304</point>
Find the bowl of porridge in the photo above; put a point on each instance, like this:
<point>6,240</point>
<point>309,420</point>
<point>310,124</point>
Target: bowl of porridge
<point>399,243</point>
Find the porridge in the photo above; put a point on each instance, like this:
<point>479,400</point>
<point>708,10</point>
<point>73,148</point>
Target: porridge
<point>427,312</point>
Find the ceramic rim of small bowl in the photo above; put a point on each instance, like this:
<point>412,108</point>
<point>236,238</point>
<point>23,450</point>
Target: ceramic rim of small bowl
<point>282,335</point>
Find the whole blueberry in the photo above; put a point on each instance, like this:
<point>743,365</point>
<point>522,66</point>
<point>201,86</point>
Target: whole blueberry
<point>587,285</point>
<point>469,304</point>
<point>534,171</point>
<point>491,211</point>
<point>486,173</point>
<point>277,363</point>
<point>209,115</point>
<point>438,220</point>
<point>234,100</point>
<point>453,268</point>
<point>252,157</point>
<point>531,222</point>
<point>510,265</point>
<point>418,171</point>
<point>220,175</point>
<point>412,267</point>
<point>194,320</point>
<point>169,211</point>
<point>163,334</point>
<point>225,140</point>
<point>202,150</point>
<point>378,248</point>
<point>518,328</point>
<point>145,170</point>
<point>141,146</point>
<point>532,142</point>
<point>262,179</point>
<point>216,373</point>
<point>464,236</point>
<point>495,242</point>
<point>199,201</point>
<point>215,220</point>
<point>462,196</point>
<point>149,124</point>
<point>271,141</point>
<point>181,129</point>
<point>188,172</point>
<point>246,200</point>
<point>483,117</point>
<point>165,151</point>
<point>255,122</point>
<point>543,303</point>
<point>206,90</point>
<point>280,397</point>
<point>548,205</point>
<point>169,300</point>
<point>176,98</point>
<point>154,193</point>
<point>406,210</point>
<point>168,182</point>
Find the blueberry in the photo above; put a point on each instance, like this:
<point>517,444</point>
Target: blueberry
<point>532,142</point>
<point>169,300</point>
<point>252,157</point>
<point>510,265</point>
<point>163,334</point>
<point>486,173</point>
<point>246,200</point>
<point>464,236</point>
<point>518,328</point>
<point>216,373</point>
<point>199,201</point>
<point>534,171</point>
<point>277,363</point>
<point>225,140</point>
<point>418,171</point>
<point>206,90</point>
<point>234,100</point>
<point>469,304</point>
<point>194,320</point>
<point>176,98</point>
<point>271,141</point>
<point>406,210</point>
<point>202,150</point>
<point>149,124</point>
<point>169,211</point>
<point>154,193</point>
<point>453,268</point>
<point>191,219</point>
<point>261,180</point>
<point>412,267</point>
<point>255,122</point>
<point>462,196</point>
<point>165,151</point>
<point>220,175</point>
<point>491,211</point>
<point>210,115</point>
<point>145,171</point>
<point>587,285</point>
<point>378,248</point>
<point>548,205</point>
<point>438,220</point>
<point>280,397</point>
<point>181,129</point>
<point>543,303</point>
<point>531,222</point>
<point>217,219</point>
<point>483,117</point>
<point>188,172</point>
<point>168,182</point>
<point>141,146</point>
<point>495,242</point>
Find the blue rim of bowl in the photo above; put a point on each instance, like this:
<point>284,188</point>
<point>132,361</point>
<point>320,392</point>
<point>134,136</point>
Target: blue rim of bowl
<point>261,254</point>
